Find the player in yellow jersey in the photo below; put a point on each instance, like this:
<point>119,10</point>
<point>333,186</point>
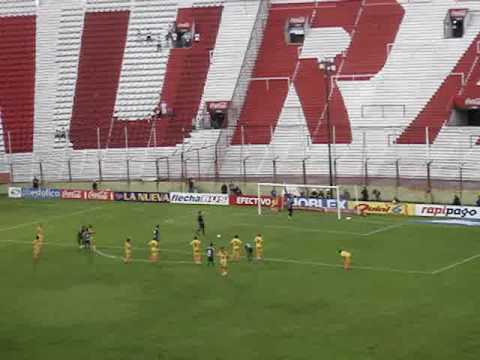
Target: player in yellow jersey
<point>154,250</point>
<point>347,258</point>
<point>40,233</point>
<point>127,248</point>
<point>36,248</point>
<point>236,247</point>
<point>197,251</point>
<point>223,255</point>
<point>259,247</point>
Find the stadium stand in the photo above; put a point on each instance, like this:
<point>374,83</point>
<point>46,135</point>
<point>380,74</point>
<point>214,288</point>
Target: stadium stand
<point>67,54</point>
<point>17,71</point>
<point>341,26</point>
<point>116,89</point>
<point>101,55</point>
<point>145,59</point>
<point>103,46</point>
<point>236,25</point>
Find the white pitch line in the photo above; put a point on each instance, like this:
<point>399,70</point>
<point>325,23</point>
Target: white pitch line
<point>464,261</point>
<point>58,244</point>
<point>385,228</point>
<point>109,256</point>
<point>51,218</point>
<point>301,229</point>
<point>292,261</point>
<point>369,268</point>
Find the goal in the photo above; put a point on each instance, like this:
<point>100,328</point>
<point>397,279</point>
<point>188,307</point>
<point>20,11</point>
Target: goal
<point>312,197</point>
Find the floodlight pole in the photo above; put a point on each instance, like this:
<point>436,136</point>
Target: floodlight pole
<point>328,65</point>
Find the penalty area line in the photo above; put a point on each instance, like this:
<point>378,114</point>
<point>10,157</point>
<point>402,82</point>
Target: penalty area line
<point>383,229</point>
<point>456,264</point>
<point>354,267</point>
<point>299,228</point>
<point>51,218</point>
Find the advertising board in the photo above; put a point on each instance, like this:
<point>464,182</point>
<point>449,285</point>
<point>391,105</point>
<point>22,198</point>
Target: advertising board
<point>318,203</point>
<point>379,208</point>
<point>14,192</point>
<point>198,198</point>
<point>150,197</point>
<point>41,194</point>
<point>450,211</point>
<point>250,200</point>
<point>69,194</point>
<point>103,195</point>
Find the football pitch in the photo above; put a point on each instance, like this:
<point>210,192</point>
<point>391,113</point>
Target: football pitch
<point>413,291</point>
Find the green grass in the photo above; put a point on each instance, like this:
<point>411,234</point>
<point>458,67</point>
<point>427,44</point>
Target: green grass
<point>298,305</point>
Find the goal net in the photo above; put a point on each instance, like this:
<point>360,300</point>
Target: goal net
<point>273,197</point>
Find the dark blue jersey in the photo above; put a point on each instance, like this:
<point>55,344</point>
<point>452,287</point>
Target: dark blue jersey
<point>210,252</point>
<point>156,234</point>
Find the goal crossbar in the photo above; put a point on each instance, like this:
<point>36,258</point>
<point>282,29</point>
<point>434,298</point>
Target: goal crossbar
<point>285,186</point>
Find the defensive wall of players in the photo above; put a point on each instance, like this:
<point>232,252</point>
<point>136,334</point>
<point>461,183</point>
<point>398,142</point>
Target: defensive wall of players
<point>314,204</point>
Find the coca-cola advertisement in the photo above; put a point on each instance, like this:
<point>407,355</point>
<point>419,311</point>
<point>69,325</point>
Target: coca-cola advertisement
<point>70,194</point>
<point>104,195</point>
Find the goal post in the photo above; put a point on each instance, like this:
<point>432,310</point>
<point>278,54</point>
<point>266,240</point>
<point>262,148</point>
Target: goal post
<point>282,189</point>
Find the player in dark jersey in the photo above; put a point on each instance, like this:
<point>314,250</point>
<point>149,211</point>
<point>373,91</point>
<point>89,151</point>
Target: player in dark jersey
<point>249,251</point>
<point>156,233</point>
<point>210,255</point>
<point>91,233</point>
<point>200,224</point>
<point>290,207</point>
<point>87,239</point>
<point>80,237</point>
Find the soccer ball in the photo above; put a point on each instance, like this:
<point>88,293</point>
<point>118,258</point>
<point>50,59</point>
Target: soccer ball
<point>219,236</point>
<point>349,218</point>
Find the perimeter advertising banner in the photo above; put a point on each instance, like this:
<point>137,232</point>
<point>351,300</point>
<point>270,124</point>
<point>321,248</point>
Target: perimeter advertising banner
<point>450,211</point>
<point>41,194</point>
<point>198,199</point>
<point>69,194</point>
<point>15,192</point>
<point>250,200</point>
<point>379,208</point>
<point>150,197</point>
<point>318,204</point>
<point>104,195</point>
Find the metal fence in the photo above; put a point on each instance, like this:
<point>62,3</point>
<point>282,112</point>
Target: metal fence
<point>292,152</point>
